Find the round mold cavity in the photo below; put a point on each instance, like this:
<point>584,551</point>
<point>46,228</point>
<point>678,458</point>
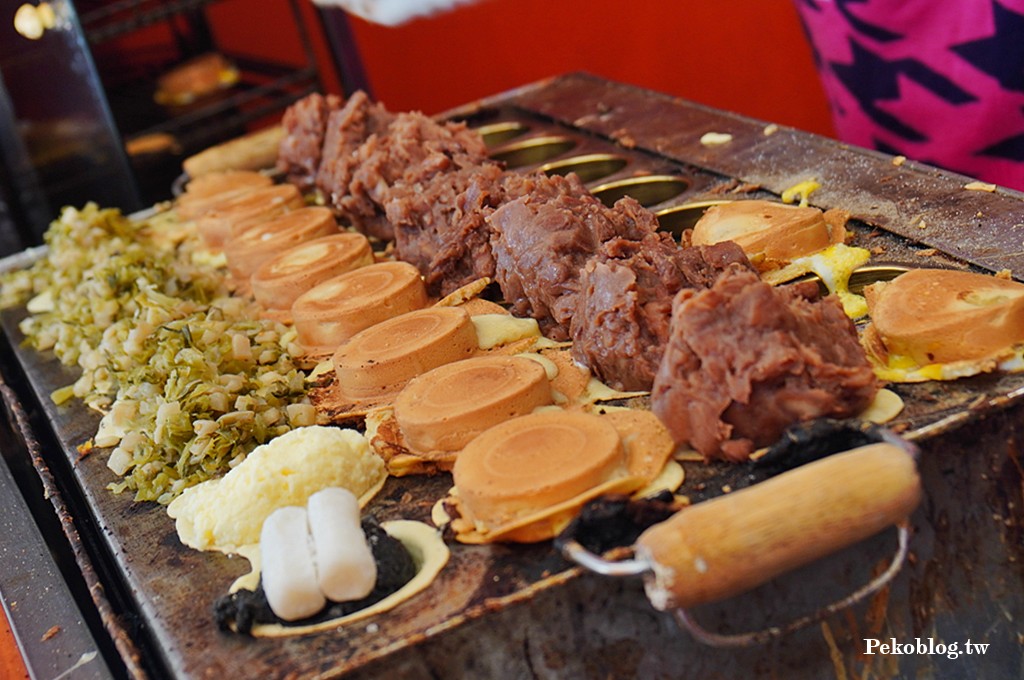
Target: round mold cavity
<point>861,277</point>
<point>533,151</point>
<point>683,218</point>
<point>647,190</point>
<point>873,273</point>
<point>496,134</point>
<point>589,168</point>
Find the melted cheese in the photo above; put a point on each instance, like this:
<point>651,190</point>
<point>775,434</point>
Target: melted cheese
<point>835,265</point>
<point>502,329</point>
<point>801,190</point>
<point>902,369</point>
<point>884,407</point>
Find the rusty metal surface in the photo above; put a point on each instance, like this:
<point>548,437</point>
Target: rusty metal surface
<point>521,611</point>
<point>57,487</point>
<point>37,599</point>
<point>979,227</point>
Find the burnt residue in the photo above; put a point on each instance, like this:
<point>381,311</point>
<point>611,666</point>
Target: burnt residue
<point>515,567</point>
<point>241,610</point>
<point>800,444</point>
<point>616,521</point>
<point>411,497</point>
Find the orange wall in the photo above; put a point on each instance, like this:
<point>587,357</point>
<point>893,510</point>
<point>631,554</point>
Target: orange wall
<point>12,666</point>
<point>747,56</point>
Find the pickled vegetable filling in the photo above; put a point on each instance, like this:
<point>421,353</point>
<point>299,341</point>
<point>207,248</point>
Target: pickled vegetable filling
<point>243,609</point>
<point>188,380</point>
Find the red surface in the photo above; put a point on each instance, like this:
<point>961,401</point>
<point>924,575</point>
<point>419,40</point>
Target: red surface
<point>12,667</point>
<point>747,56</point>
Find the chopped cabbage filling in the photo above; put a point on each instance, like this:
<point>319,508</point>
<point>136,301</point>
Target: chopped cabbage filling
<point>189,377</point>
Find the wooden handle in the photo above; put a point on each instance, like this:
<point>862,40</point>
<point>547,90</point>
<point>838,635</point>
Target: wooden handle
<point>733,543</point>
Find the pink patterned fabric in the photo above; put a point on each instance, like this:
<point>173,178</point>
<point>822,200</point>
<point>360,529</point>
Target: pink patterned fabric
<point>938,81</point>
